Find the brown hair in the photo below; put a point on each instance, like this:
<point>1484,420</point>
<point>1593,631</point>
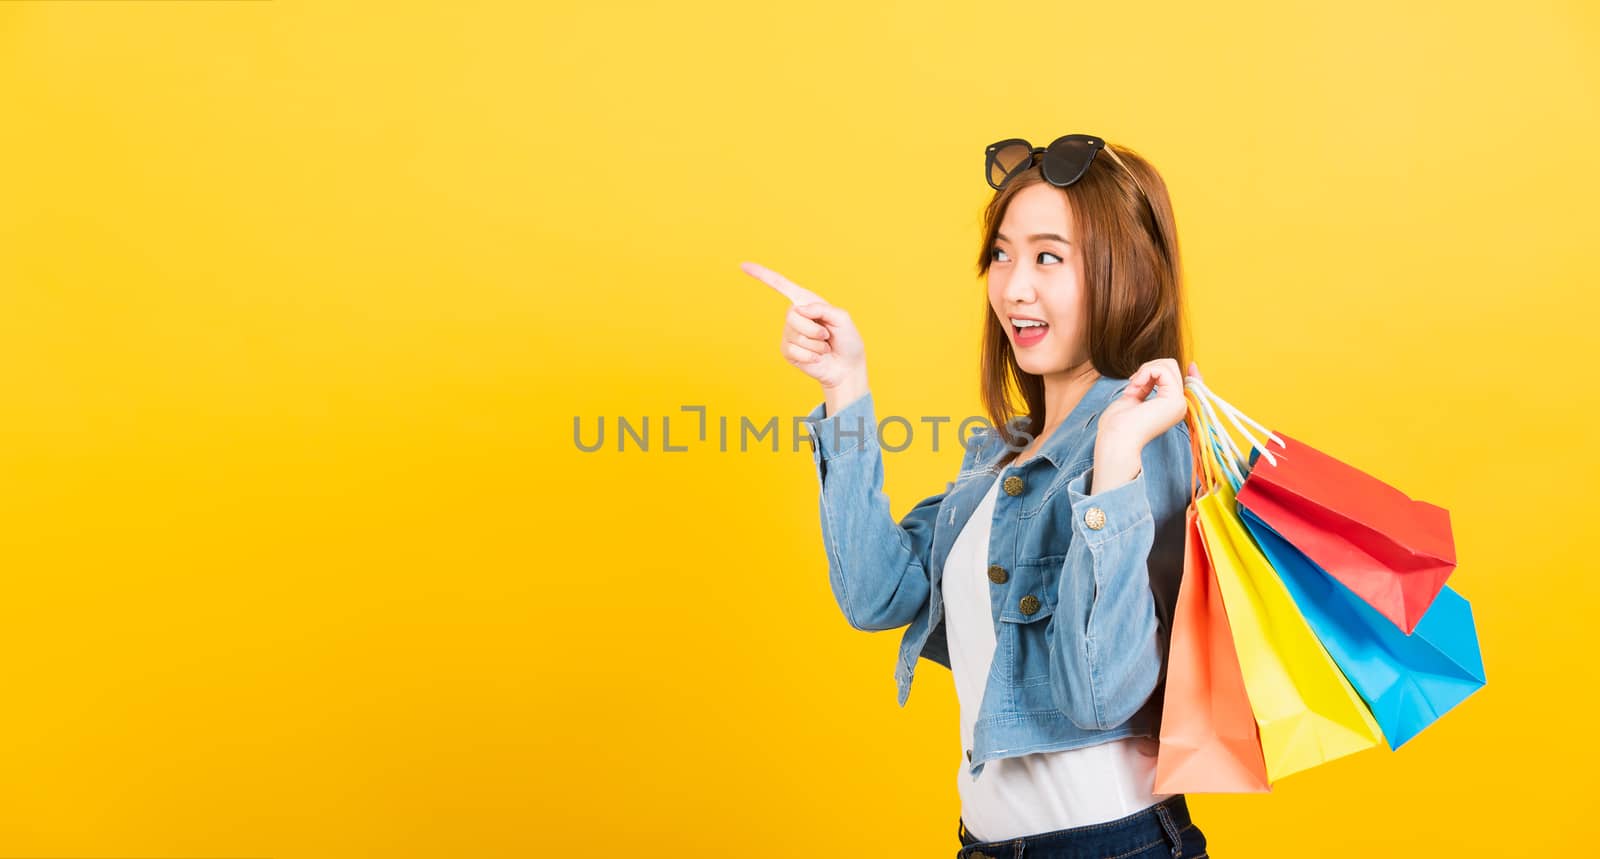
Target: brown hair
<point>1132,283</point>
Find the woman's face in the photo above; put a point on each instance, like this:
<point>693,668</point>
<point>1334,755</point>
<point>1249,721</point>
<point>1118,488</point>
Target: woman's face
<point>1036,273</point>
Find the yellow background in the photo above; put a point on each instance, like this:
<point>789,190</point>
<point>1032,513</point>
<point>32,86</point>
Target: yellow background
<point>299,301</point>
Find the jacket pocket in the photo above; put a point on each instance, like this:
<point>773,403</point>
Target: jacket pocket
<point>1021,646</point>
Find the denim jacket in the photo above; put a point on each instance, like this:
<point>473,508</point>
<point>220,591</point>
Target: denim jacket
<point>1082,586</point>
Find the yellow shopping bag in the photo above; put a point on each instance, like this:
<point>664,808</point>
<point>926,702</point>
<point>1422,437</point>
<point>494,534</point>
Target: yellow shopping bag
<point>1307,712</point>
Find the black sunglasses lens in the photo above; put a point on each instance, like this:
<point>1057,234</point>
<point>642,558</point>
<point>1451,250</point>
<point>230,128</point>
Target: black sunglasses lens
<point>1006,158</point>
<point>1068,158</point>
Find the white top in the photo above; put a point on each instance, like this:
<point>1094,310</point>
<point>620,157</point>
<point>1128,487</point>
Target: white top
<point>1042,791</point>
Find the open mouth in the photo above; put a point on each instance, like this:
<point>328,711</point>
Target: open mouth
<point>1027,332</point>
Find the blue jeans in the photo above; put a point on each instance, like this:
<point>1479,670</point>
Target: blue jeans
<point>1162,831</point>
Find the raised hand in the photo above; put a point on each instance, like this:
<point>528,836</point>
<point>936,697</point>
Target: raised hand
<point>1131,421</point>
<point>818,338</point>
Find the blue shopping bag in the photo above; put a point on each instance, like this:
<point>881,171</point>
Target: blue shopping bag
<point>1408,681</point>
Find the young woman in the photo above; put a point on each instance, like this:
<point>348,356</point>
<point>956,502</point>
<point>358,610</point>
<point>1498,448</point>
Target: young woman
<point>1045,575</point>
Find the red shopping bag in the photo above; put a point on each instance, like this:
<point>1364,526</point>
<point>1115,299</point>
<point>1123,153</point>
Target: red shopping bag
<point>1209,739</point>
<point>1393,551</point>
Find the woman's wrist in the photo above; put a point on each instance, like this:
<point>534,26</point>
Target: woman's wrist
<point>1114,465</point>
<point>836,398</point>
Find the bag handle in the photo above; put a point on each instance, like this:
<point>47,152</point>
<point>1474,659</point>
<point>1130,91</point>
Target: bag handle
<point>1219,462</point>
<point>1235,416</point>
<point>1231,457</point>
<point>1202,481</point>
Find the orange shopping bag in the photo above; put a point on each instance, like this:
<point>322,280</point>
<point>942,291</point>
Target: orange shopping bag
<point>1209,739</point>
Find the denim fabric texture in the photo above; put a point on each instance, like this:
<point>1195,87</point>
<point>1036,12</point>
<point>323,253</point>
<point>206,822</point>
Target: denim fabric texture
<point>1083,586</point>
<point>1162,831</point>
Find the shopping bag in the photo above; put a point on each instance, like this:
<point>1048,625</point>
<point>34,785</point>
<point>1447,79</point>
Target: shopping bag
<point>1408,681</point>
<point>1209,741</point>
<point>1390,550</point>
<point>1305,709</point>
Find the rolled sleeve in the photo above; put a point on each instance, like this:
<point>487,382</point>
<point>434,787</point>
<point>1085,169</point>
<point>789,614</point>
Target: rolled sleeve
<point>852,429</point>
<point>1125,507</point>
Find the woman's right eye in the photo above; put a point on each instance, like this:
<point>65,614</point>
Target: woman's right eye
<point>995,250</point>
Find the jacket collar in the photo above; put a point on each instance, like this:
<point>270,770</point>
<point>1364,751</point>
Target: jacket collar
<point>1059,445</point>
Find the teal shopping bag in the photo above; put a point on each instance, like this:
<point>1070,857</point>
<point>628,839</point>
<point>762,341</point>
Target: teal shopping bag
<point>1408,681</point>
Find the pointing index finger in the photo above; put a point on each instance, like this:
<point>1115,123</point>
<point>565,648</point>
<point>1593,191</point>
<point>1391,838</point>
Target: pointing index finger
<point>794,292</point>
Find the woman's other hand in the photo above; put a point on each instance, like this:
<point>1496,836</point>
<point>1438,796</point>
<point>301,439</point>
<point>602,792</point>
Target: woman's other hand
<point>1131,421</point>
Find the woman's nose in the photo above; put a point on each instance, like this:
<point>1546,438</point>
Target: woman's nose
<point>1019,289</point>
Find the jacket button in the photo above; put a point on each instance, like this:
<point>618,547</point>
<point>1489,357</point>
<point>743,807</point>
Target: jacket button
<point>1013,485</point>
<point>1095,518</point>
<point>1029,604</point>
<point>969,756</point>
<point>997,574</point>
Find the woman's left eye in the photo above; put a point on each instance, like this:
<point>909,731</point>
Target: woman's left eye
<point>1048,254</point>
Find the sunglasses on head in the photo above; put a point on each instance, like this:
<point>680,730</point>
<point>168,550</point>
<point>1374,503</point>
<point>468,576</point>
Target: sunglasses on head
<point>1062,163</point>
